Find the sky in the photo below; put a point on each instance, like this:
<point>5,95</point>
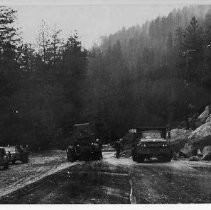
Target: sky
<point>91,18</point>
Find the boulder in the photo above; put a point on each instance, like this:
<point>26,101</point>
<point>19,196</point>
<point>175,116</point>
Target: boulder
<point>175,156</point>
<point>206,153</point>
<point>199,153</point>
<point>187,151</point>
<point>208,119</point>
<point>204,115</point>
<point>201,137</point>
<point>194,158</point>
<point>179,137</point>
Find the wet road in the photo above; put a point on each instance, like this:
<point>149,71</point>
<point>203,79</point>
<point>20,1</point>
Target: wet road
<point>173,182</point>
<point>122,181</point>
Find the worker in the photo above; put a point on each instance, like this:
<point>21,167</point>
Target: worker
<point>100,147</point>
<point>118,148</point>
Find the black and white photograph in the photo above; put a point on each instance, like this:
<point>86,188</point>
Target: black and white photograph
<point>105,102</point>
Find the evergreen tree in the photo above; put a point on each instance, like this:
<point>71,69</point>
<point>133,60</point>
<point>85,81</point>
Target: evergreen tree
<point>193,47</point>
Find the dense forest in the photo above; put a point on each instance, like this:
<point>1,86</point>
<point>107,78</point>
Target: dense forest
<point>157,74</point>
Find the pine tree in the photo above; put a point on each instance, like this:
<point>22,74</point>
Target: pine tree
<point>9,38</point>
<point>43,42</point>
<point>193,47</point>
<point>9,73</point>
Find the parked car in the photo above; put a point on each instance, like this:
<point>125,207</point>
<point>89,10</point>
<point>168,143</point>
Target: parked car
<point>17,153</point>
<point>4,160</point>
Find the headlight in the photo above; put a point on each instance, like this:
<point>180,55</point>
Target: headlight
<point>164,145</point>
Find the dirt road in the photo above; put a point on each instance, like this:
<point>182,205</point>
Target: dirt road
<point>173,182</point>
<point>39,166</point>
<point>122,181</point>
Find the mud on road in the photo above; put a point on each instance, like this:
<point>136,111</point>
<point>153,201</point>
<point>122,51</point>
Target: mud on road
<point>119,181</point>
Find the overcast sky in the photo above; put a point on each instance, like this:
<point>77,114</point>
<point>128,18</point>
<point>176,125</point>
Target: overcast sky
<point>92,19</point>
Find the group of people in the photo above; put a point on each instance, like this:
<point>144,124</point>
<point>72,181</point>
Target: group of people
<point>118,145</point>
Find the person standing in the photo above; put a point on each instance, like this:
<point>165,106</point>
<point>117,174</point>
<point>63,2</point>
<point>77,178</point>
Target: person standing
<point>100,148</point>
<point>117,148</point>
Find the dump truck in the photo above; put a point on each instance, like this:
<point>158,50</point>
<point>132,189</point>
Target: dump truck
<point>84,145</point>
<point>151,142</point>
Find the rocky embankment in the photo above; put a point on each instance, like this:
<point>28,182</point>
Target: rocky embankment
<point>192,144</point>
<point>196,144</point>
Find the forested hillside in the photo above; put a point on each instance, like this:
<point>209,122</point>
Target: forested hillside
<point>155,74</point>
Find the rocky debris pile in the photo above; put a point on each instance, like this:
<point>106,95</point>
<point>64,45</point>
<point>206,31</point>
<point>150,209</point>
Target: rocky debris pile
<point>194,158</point>
<point>179,137</point>
<point>206,153</point>
<point>198,143</point>
<point>187,151</point>
<point>195,145</point>
<point>205,114</point>
<point>208,119</point>
<point>201,137</point>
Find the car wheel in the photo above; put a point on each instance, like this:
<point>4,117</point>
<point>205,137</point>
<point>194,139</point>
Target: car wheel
<point>134,156</point>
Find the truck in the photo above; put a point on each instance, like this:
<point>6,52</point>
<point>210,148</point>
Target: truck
<point>84,144</point>
<point>17,153</point>
<point>151,142</point>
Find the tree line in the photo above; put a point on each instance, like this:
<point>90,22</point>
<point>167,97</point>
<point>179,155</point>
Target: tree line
<point>42,88</point>
<point>157,74</point>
